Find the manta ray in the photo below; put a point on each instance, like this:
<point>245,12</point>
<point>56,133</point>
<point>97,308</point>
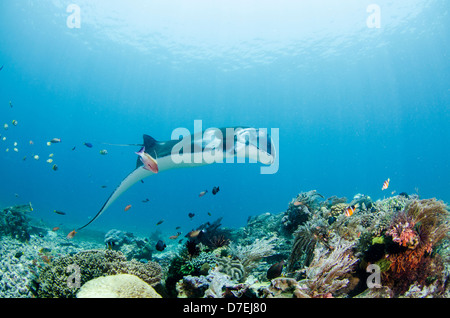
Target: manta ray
<point>206,147</point>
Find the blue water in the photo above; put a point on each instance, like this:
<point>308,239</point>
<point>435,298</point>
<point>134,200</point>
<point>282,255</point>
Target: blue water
<point>354,105</point>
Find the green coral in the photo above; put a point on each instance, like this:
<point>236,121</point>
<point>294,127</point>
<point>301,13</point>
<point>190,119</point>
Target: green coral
<point>384,264</point>
<point>187,268</point>
<point>378,240</point>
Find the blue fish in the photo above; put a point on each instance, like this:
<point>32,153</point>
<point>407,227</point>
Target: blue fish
<point>88,144</point>
<point>160,246</point>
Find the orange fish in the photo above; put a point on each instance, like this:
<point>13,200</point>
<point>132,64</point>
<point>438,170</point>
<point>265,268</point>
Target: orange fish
<point>385,184</point>
<point>71,234</point>
<point>46,259</point>
<point>174,237</point>
<point>149,162</point>
<point>297,203</point>
<point>56,228</point>
<point>128,207</point>
<point>350,210</point>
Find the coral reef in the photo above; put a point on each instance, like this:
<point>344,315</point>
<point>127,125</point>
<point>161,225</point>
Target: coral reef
<point>250,255</point>
<point>117,286</point>
<point>15,222</point>
<point>131,246</point>
<point>327,253</point>
<point>417,230</point>
<point>326,273</point>
<point>57,278</point>
<point>300,209</point>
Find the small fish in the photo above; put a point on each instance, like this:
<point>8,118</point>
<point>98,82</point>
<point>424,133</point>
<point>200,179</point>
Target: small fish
<point>1,68</point>
<point>14,122</point>
<point>191,215</point>
<point>31,142</point>
<point>46,259</point>
<point>59,212</point>
<point>174,237</point>
<point>55,140</point>
<point>160,222</point>
<point>178,227</point>
<point>350,210</point>
<point>31,207</point>
<point>110,245</point>
<point>209,213</point>
<point>50,160</point>
<point>56,228</point>
<point>297,203</point>
<point>148,161</point>
<point>103,187</point>
<point>103,152</point>
<point>87,144</point>
<point>10,104</point>
<point>215,190</point>
<point>71,234</point>
<point>275,270</point>
<point>15,143</point>
<point>203,193</point>
<point>393,192</point>
<point>16,150</point>
<point>5,126</point>
<point>385,184</point>
<point>73,148</point>
<point>24,158</point>
<point>55,167</point>
<point>127,207</point>
<point>4,138</point>
<point>194,233</point>
<point>160,246</point>
<point>51,155</point>
<point>36,157</point>
<point>49,143</point>
<point>146,200</point>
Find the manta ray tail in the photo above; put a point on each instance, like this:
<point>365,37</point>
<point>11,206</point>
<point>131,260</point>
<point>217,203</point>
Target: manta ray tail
<point>139,173</point>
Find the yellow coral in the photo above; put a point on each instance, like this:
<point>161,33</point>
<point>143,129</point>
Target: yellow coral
<point>117,286</point>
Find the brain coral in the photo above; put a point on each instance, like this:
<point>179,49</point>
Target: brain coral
<point>117,286</point>
<point>61,279</point>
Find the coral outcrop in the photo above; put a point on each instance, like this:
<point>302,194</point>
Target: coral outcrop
<point>117,286</point>
<point>63,276</point>
<point>15,222</point>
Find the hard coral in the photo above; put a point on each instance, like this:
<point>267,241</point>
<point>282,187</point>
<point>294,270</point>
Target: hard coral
<point>117,286</point>
<point>64,276</point>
